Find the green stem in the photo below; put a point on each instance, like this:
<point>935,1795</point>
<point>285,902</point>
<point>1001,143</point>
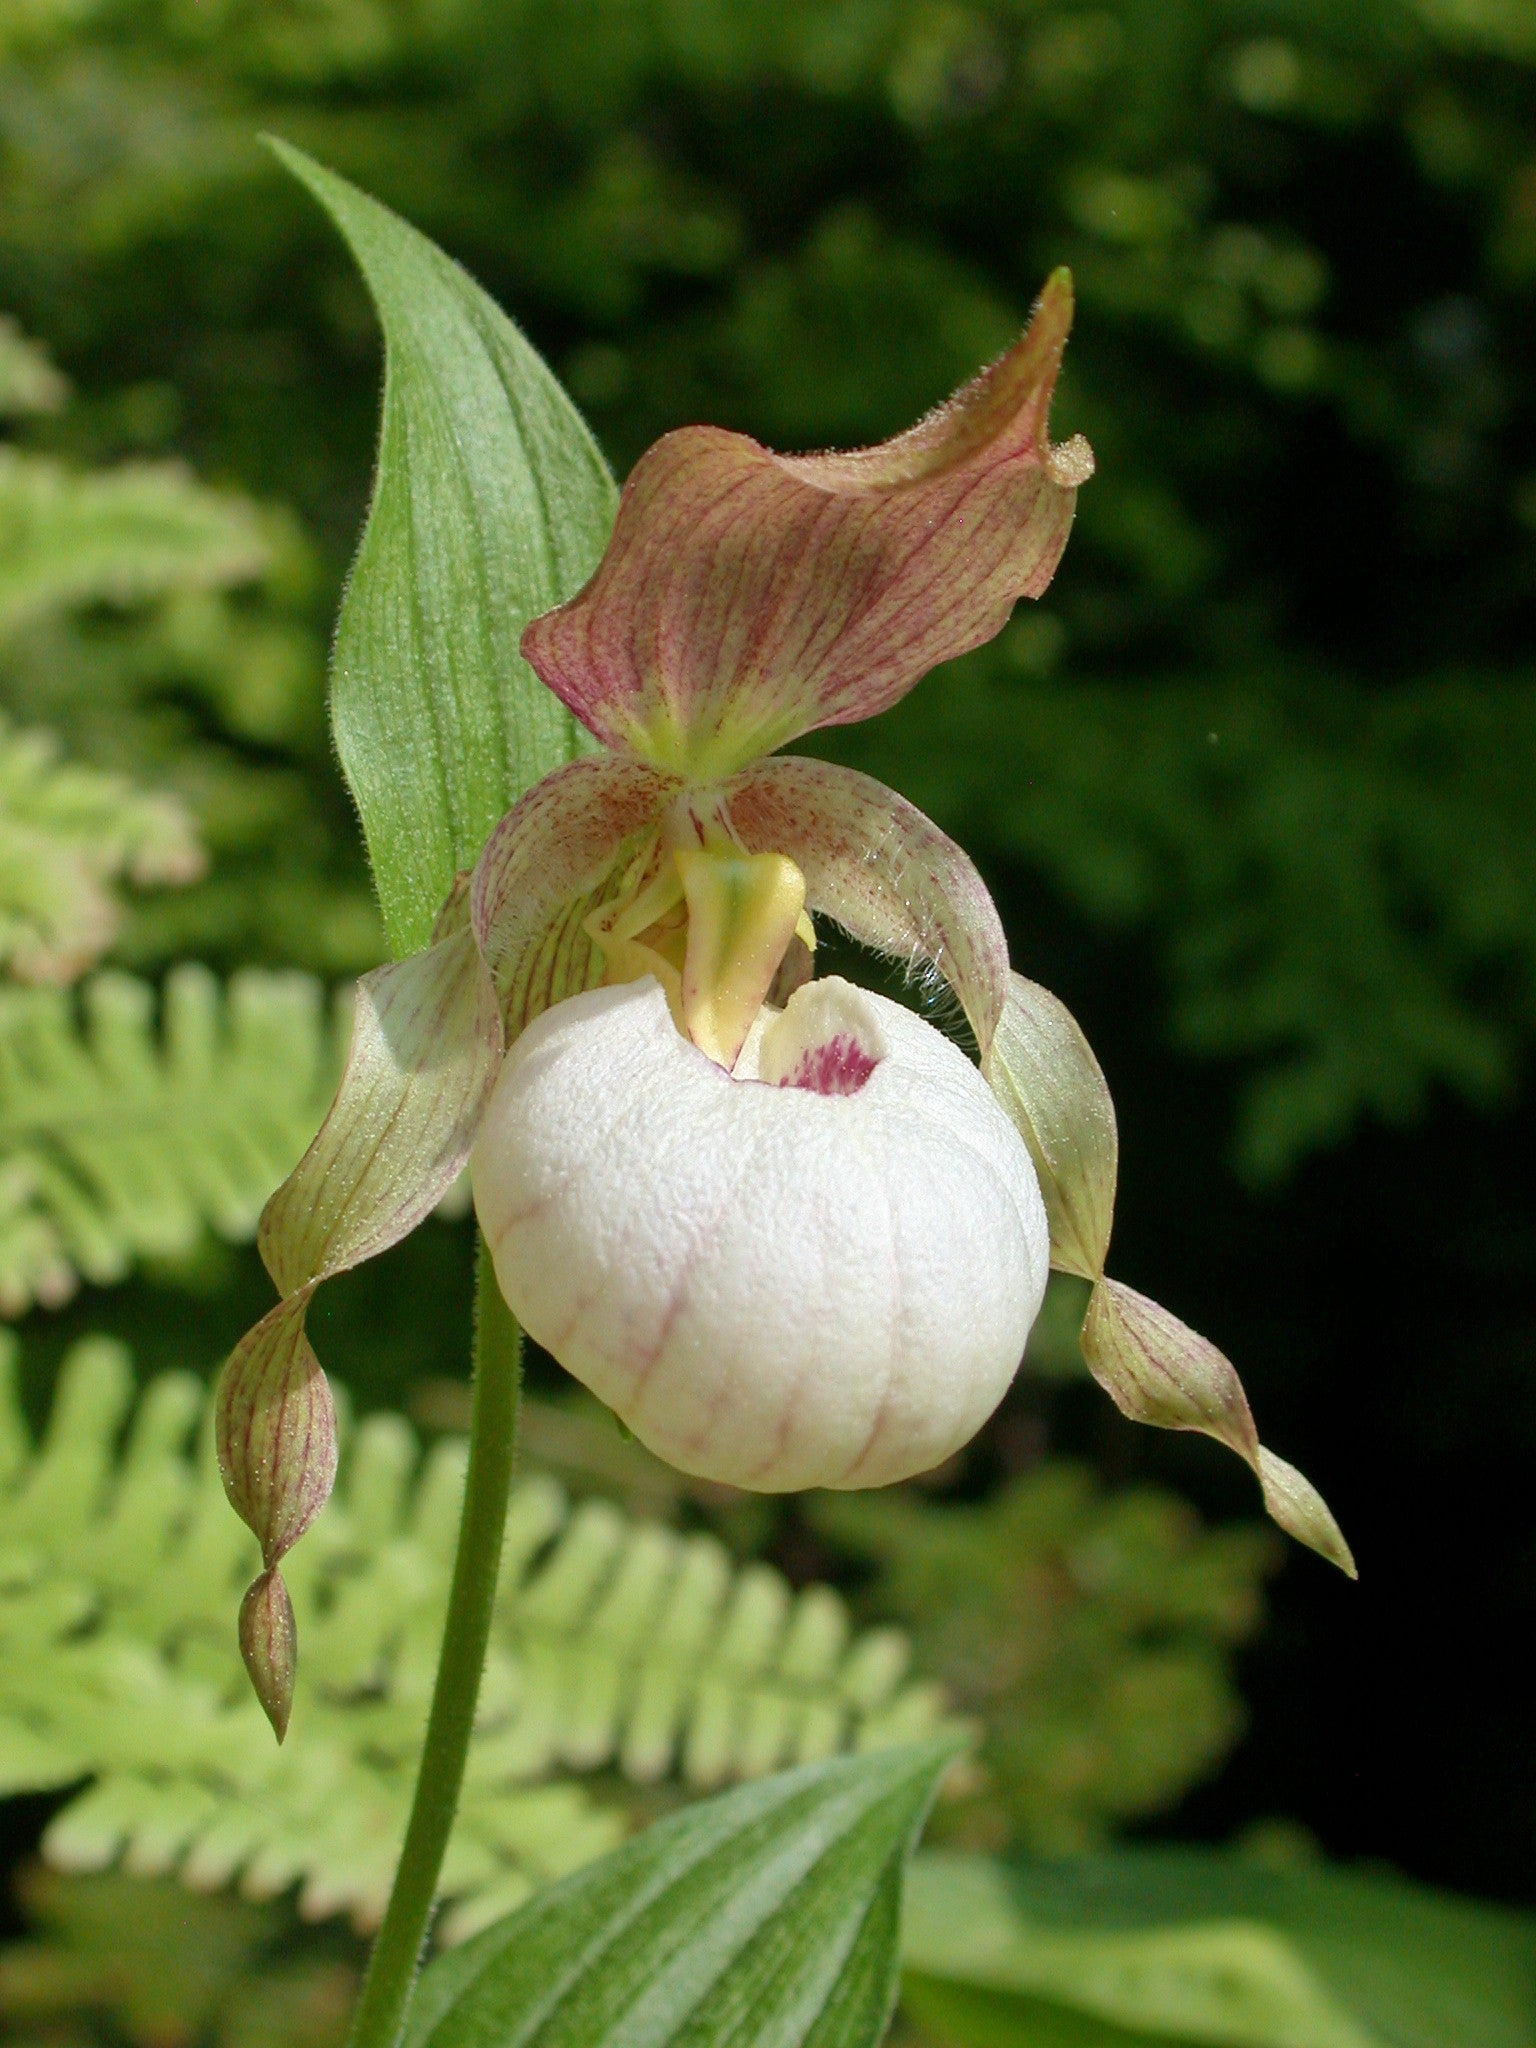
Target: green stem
<point>386,1995</point>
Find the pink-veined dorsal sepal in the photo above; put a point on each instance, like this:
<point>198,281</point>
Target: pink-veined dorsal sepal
<point>746,597</point>
<point>883,871</point>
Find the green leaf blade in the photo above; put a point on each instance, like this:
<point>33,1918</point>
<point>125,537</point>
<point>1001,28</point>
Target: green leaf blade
<point>767,1915</point>
<point>1204,1946</point>
<point>491,504</point>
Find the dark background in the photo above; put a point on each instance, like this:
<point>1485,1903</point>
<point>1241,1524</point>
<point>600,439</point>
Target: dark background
<point>1253,784</point>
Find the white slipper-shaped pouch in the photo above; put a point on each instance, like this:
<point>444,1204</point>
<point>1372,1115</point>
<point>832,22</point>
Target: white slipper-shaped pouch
<point>819,1269</point>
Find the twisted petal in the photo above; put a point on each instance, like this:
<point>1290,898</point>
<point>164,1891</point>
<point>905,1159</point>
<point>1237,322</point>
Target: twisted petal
<point>426,1043</point>
<point>275,1430</point>
<point>551,860</point>
<point>1156,1369</point>
<point>746,597</point>
<point>882,870</point>
<point>1153,1367</point>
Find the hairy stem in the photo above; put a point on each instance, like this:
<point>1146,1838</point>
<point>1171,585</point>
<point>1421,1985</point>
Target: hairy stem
<point>386,1995</point>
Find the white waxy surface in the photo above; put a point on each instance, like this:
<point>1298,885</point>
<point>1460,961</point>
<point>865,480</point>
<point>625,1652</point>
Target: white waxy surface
<point>772,1287</point>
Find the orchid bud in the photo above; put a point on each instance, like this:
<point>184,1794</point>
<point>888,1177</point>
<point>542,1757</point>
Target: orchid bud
<point>816,1269</point>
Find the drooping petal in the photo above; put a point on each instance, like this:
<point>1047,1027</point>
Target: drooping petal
<point>426,1043</point>
<point>549,863</point>
<point>822,1278</point>
<point>746,596</point>
<point>1043,1071</point>
<point>1153,1367</point>
<point>882,870</point>
<point>1156,1369</point>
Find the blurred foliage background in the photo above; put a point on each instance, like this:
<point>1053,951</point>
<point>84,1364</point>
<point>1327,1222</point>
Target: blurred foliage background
<point>1255,784</point>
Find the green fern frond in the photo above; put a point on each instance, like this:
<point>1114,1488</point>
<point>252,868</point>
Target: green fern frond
<point>169,633</point>
<point>67,834</point>
<point>115,536</point>
<point>124,1137</point>
<point>619,1646</point>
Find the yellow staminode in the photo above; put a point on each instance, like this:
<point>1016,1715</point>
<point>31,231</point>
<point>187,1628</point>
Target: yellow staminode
<point>743,910</point>
<point>712,924</point>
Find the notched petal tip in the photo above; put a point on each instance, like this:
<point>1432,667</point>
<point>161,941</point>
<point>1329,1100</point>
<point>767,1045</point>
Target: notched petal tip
<point>269,1646</point>
<point>746,597</point>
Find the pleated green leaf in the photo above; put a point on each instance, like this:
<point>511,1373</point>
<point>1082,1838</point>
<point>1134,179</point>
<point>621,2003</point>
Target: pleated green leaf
<point>1190,1946</point>
<point>491,504</point>
<point>765,1915</point>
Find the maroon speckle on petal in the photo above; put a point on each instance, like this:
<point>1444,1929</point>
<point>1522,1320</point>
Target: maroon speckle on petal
<point>840,1066</point>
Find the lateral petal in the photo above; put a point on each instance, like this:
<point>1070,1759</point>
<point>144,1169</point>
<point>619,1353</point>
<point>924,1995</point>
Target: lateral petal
<point>746,597</point>
<point>882,870</point>
<point>426,1045</point>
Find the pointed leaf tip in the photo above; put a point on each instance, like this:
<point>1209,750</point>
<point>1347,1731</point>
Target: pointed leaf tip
<point>768,1914</point>
<point>269,1645</point>
<point>491,503</point>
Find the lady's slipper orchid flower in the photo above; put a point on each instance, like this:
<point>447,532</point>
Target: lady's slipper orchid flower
<point>784,1227</point>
